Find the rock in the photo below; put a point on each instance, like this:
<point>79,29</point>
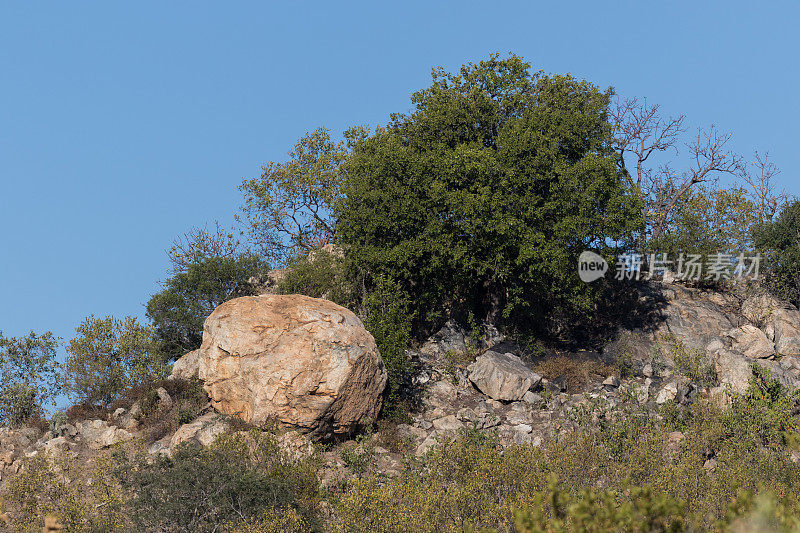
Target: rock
<point>784,376</point>
<point>447,423</point>
<point>647,370</point>
<point>164,399</point>
<point>466,414</point>
<point>203,430</point>
<point>733,369</point>
<point>295,444</point>
<point>502,376</point>
<point>674,440</point>
<point>719,397</point>
<point>98,434</point>
<point>187,366</point>
<point>304,362</point>
<point>751,342</point>
<point>667,393</point>
<point>782,319</point>
<point>524,428</point>
<point>451,338</point>
<point>710,465</point>
<point>694,318</point>
<point>611,381</point>
<point>533,399</point>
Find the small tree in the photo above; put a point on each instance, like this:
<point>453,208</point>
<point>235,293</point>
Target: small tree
<point>178,311</point>
<point>109,355</point>
<point>198,244</point>
<point>29,376</point>
<point>779,241</point>
<point>289,208</point>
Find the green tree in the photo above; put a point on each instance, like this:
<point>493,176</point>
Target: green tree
<point>707,221</point>
<point>108,356</point>
<point>289,208</point>
<point>178,311</point>
<point>29,376</point>
<point>482,198</point>
<point>779,242</point>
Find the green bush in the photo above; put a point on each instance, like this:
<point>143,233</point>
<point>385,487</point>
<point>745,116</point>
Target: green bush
<point>189,296</point>
<point>201,489</point>
<point>617,471</point>
<point>83,499</point>
<point>483,197</point>
<point>108,356</point>
<point>319,274</point>
<point>779,242</point>
<point>29,376</point>
<point>389,318</point>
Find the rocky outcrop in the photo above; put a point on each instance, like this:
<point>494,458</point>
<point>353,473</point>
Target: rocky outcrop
<point>186,367</point>
<point>751,342</point>
<point>306,363</point>
<point>779,320</point>
<point>502,376</point>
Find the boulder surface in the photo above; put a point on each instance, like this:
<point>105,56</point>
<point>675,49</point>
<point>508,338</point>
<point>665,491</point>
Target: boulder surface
<point>303,362</point>
<point>502,376</point>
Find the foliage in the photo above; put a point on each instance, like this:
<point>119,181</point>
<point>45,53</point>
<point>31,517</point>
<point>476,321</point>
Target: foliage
<point>199,244</point>
<point>237,478</point>
<point>779,242</point>
<point>178,311</point>
<point>483,197</point>
<point>56,485</point>
<point>709,221</point>
<point>692,363</point>
<point>319,274</point>
<point>109,355</point>
<point>29,376</point>
<point>389,317</point>
<point>616,472</point>
<point>289,208</point>
<point>283,520</point>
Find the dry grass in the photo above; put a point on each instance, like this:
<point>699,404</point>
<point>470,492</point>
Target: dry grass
<point>577,370</point>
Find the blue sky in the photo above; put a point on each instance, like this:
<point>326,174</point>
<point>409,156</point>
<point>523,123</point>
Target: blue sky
<point>123,125</point>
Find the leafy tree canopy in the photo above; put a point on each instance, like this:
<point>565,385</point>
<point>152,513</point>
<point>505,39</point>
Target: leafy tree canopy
<point>29,376</point>
<point>484,196</point>
<point>178,311</point>
<point>779,241</point>
<point>109,355</point>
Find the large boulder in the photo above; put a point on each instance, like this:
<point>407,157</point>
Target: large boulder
<point>751,341</point>
<point>781,319</point>
<point>502,376</point>
<point>306,363</point>
<point>187,366</point>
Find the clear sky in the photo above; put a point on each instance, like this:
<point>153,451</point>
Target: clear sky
<point>124,124</point>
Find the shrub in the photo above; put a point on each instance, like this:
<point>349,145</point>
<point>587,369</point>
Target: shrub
<point>389,318</point>
<point>319,274</point>
<point>201,489</point>
<point>482,198</point>
<point>189,296</point>
<point>57,485</point>
<point>779,242</point>
<point>692,363</point>
<point>29,376</point>
<point>108,356</point>
<point>615,472</point>
<point>289,208</point>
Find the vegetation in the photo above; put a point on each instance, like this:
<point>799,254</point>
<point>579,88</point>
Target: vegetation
<point>288,210</point>
<point>779,241</point>
<point>203,489</point>
<point>29,376</point>
<point>108,356</point>
<point>482,198</point>
<point>178,311</point>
